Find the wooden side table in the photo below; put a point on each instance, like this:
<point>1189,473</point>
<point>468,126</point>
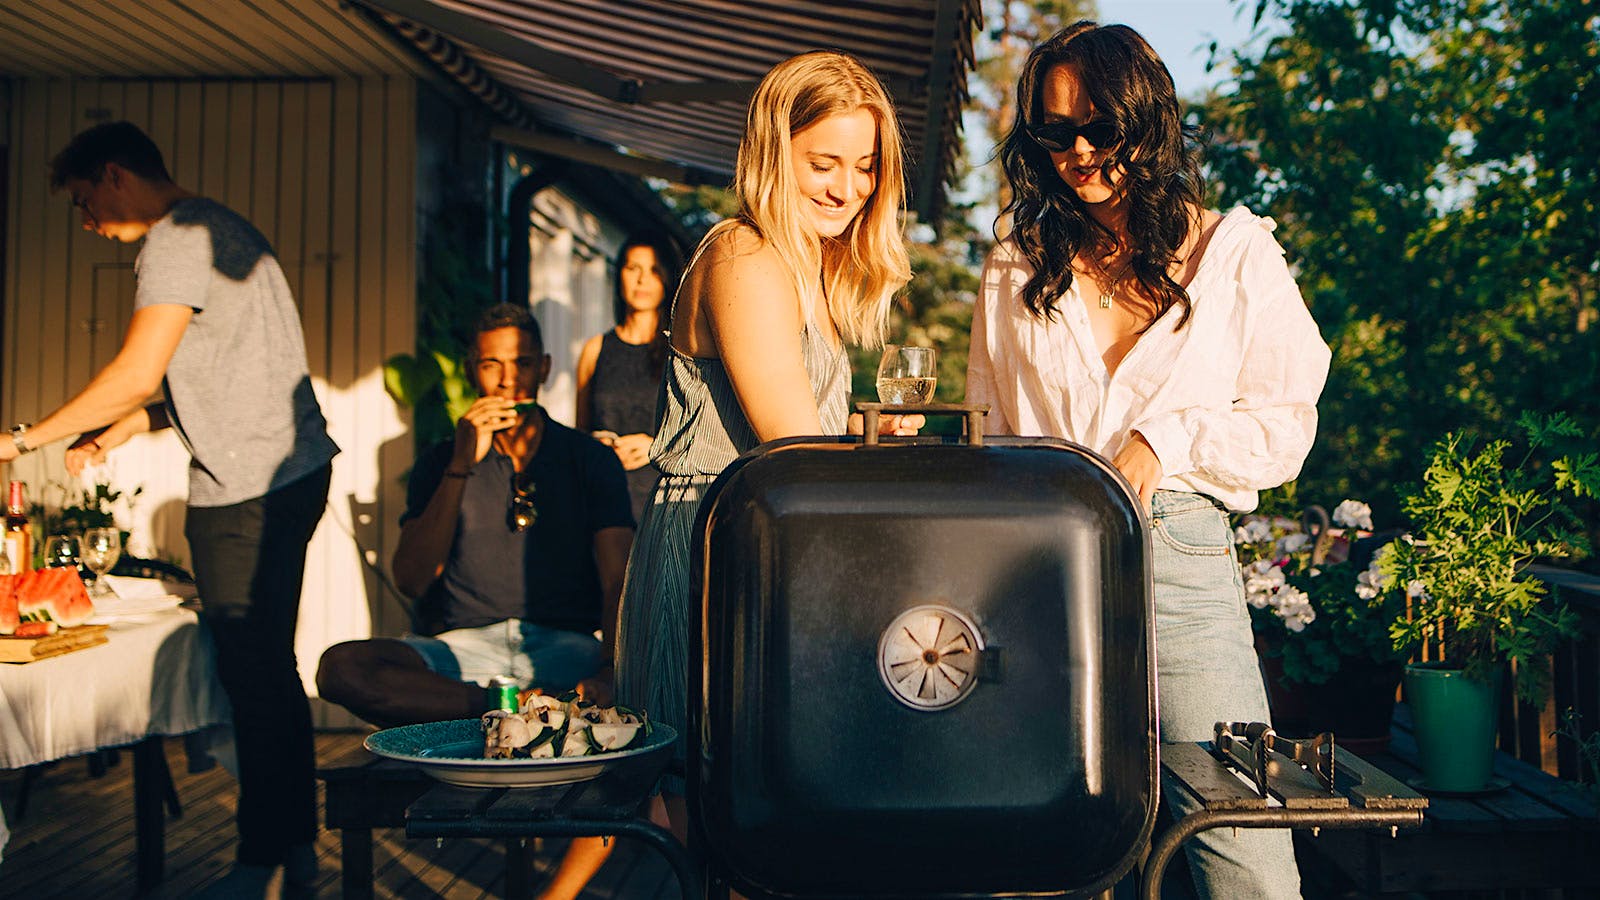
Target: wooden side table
<point>386,794</point>
<point>1537,832</point>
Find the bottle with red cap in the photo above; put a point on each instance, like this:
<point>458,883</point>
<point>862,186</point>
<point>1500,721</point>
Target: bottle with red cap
<point>18,547</point>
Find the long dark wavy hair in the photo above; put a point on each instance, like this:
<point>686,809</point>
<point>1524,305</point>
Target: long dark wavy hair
<point>1160,156</point>
<point>670,263</point>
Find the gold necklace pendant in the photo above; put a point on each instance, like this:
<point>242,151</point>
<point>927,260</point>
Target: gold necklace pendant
<point>1105,299</point>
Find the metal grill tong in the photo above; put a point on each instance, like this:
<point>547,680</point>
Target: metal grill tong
<point>1254,748</point>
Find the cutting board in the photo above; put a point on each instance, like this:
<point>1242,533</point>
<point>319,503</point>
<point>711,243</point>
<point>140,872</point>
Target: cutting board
<point>27,649</point>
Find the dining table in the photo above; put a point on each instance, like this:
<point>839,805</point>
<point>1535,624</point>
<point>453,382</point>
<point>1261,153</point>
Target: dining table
<point>153,678</point>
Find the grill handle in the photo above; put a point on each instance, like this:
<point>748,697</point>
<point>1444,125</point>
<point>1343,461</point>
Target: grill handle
<point>973,411</point>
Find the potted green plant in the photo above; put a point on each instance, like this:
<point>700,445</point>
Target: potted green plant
<point>1481,513</point>
<point>1322,622</point>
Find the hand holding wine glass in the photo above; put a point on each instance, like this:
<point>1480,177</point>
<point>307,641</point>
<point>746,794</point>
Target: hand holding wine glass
<point>101,548</point>
<point>906,375</point>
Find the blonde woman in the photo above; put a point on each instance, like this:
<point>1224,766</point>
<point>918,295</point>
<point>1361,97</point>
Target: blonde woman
<point>757,332</point>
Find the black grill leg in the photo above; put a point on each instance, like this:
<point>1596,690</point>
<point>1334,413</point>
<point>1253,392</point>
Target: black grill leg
<point>355,863</point>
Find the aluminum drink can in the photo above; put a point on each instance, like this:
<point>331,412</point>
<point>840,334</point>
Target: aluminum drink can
<point>503,691</point>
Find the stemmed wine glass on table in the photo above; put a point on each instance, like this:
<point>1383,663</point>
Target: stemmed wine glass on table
<point>906,375</point>
<point>101,548</point>
<point>61,550</point>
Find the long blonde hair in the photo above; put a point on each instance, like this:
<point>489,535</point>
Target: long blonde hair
<point>863,267</point>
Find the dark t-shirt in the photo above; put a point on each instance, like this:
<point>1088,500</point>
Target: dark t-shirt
<point>622,399</point>
<point>547,574</point>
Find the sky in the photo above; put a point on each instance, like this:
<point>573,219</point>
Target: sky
<point>1180,31</point>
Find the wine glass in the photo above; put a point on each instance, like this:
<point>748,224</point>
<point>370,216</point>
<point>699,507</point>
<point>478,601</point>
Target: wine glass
<point>906,375</point>
<point>61,550</point>
<point>102,547</point>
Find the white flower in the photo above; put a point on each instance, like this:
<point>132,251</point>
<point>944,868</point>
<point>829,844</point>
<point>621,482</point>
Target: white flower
<point>1353,514</point>
<point>1289,543</point>
<point>1262,578</point>
<point>1294,607</point>
<point>1416,589</point>
<point>1371,583</point>
<point>1252,530</point>
<point>1289,597</point>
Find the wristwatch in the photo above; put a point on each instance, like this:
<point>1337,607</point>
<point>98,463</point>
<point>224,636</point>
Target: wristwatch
<point>17,431</point>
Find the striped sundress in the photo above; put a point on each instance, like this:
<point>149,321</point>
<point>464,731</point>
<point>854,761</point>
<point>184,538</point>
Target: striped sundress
<point>702,430</point>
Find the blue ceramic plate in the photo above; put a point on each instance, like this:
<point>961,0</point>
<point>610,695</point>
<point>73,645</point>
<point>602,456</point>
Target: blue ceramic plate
<point>453,752</point>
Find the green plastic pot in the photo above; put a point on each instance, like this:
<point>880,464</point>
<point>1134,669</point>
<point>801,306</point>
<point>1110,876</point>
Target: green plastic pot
<point>1455,719</point>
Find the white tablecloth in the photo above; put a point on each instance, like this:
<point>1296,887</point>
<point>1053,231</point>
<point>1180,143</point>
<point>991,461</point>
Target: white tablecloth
<point>154,676</point>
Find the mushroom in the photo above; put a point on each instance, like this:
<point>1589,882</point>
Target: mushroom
<point>504,732</point>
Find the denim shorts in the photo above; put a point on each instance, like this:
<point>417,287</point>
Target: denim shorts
<point>551,659</point>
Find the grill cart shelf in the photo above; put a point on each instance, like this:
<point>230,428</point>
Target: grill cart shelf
<point>1363,796</point>
<point>388,794</point>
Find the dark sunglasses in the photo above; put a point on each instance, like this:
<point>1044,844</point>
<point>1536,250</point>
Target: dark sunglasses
<point>1059,137</point>
<point>522,513</point>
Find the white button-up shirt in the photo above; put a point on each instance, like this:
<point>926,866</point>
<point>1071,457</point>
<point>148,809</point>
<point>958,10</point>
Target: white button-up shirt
<point>1228,402</point>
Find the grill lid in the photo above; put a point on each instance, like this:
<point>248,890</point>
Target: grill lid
<point>852,721</point>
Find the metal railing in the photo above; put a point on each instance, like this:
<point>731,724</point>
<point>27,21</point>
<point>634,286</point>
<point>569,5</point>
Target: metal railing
<point>1529,732</point>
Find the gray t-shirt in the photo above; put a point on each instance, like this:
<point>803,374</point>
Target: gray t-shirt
<point>238,389</point>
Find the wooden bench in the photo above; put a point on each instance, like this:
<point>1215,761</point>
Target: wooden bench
<point>1538,832</point>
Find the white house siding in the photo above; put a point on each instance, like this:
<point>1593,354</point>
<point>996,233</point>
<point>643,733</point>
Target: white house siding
<point>570,272</point>
<point>326,169</point>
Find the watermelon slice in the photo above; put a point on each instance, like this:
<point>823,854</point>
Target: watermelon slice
<point>54,595</point>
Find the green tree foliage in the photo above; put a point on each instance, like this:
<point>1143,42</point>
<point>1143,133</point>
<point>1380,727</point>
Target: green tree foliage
<point>1432,167</point>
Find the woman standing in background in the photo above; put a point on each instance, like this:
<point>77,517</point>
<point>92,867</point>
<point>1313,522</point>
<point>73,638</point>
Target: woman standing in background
<point>619,372</point>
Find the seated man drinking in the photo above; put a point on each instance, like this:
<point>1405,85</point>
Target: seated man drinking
<point>514,540</point>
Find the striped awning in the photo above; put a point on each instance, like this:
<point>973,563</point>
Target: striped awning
<point>660,88</point>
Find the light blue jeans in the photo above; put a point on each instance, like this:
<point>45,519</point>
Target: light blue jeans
<point>1206,672</point>
<point>551,659</point>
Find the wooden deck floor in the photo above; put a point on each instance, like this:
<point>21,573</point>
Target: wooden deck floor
<point>76,840</point>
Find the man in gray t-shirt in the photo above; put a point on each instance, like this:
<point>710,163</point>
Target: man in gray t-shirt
<point>214,325</point>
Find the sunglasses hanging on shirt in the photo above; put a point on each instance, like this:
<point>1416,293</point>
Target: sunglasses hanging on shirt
<point>1059,137</point>
<point>522,514</point>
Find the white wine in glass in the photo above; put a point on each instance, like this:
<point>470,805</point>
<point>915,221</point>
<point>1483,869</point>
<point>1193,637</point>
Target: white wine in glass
<point>100,550</point>
<point>906,376</point>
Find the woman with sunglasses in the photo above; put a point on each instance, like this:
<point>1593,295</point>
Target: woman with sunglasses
<point>1121,314</point>
<point>757,333</point>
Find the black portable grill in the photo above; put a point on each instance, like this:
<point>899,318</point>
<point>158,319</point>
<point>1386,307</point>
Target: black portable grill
<point>928,671</point>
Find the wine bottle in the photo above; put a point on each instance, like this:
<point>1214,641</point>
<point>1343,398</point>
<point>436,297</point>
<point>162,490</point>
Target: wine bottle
<point>19,531</point>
